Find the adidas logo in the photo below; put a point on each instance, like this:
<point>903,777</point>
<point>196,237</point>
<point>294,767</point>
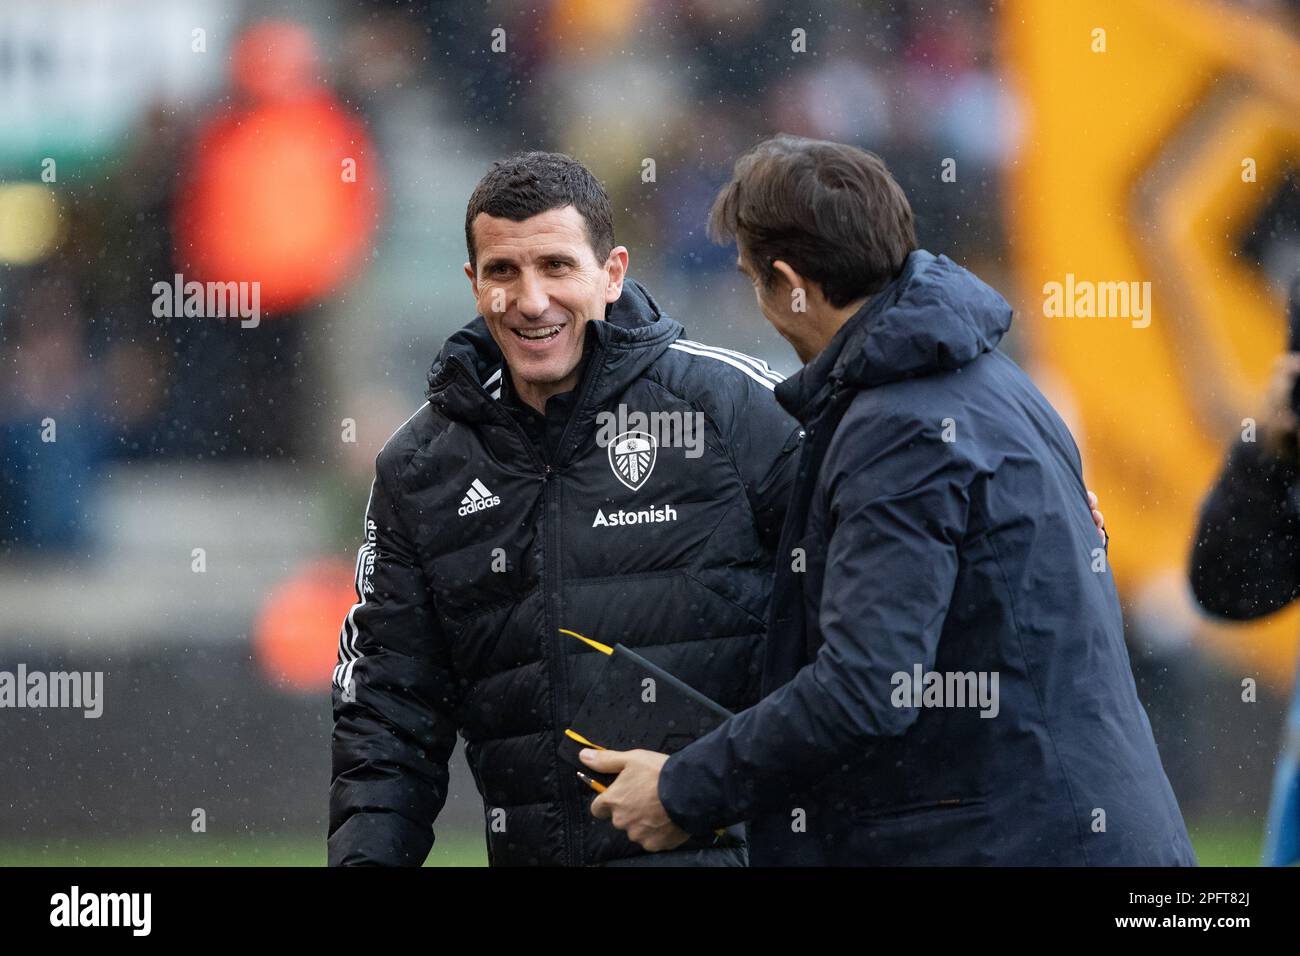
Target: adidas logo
<point>477,498</point>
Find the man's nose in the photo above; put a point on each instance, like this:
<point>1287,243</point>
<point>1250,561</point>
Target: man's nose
<point>533,300</point>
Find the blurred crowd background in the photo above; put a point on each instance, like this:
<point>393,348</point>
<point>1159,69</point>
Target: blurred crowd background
<point>190,529</point>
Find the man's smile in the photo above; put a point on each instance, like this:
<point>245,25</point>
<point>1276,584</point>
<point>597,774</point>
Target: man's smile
<point>538,338</point>
<point>539,333</point>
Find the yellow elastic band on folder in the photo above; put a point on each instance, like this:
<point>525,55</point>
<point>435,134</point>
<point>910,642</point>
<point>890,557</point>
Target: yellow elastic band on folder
<point>574,735</point>
<point>603,648</point>
<point>598,787</point>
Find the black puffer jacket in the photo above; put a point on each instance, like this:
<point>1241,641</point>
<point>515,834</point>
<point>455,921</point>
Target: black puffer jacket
<point>477,553</point>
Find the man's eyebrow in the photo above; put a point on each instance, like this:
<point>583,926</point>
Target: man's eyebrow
<point>492,263</point>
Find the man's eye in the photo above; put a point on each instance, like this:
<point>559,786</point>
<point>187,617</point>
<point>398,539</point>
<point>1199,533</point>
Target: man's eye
<point>500,270</point>
<point>557,264</point>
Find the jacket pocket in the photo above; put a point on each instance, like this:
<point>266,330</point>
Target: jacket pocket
<point>911,811</point>
<point>937,833</point>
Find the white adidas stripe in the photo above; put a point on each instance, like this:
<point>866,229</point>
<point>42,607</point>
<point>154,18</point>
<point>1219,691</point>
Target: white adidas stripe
<point>759,365</point>
<point>348,651</point>
<point>348,635</point>
<point>349,654</point>
<point>481,488</point>
<point>345,632</point>
<point>747,369</point>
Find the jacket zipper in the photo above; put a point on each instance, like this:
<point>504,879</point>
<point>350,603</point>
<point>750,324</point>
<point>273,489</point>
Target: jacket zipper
<point>550,588</point>
<point>558,665</point>
<point>559,660</point>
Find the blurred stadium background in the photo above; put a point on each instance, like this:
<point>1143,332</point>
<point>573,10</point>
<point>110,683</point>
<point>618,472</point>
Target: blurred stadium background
<point>142,138</point>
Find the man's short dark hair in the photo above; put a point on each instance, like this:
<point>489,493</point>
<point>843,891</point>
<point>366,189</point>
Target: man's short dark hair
<point>832,212</point>
<point>528,184</point>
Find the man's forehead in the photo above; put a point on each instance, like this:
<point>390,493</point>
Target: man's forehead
<point>562,227</point>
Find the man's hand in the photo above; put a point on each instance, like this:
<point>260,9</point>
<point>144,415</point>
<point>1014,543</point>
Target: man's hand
<point>1097,517</point>
<point>632,801</point>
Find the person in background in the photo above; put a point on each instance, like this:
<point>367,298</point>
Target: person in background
<point>1245,562</point>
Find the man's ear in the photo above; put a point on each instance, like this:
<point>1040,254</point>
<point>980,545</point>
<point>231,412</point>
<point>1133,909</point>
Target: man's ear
<point>473,280</point>
<point>788,277</point>
<point>616,269</point>
<point>802,293</point>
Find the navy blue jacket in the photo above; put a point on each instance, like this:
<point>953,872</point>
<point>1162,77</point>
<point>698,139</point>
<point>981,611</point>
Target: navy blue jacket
<point>938,524</point>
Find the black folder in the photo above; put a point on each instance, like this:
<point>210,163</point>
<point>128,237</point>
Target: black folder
<point>616,714</point>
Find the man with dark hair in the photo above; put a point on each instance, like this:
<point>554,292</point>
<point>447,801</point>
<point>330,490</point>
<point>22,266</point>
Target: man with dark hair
<point>499,515</point>
<point>946,675</point>
<point>831,212</point>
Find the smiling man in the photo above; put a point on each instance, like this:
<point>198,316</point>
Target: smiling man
<point>499,514</point>
<point>542,337</point>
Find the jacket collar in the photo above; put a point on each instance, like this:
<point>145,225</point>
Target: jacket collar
<point>934,316</point>
<point>805,392</point>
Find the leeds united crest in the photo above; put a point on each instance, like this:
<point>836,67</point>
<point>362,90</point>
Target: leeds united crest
<point>632,457</point>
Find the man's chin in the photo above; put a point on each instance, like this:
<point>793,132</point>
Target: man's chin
<point>541,374</point>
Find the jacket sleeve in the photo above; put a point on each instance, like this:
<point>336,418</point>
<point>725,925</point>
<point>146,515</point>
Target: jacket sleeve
<point>1245,560</point>
<point>897,519</point>
<point>394,696</point>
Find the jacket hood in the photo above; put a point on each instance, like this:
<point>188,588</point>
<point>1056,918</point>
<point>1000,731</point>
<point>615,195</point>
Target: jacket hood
<point>934,316</point>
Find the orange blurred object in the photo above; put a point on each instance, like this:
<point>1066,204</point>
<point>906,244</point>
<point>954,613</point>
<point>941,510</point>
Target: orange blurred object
<point>275,59</point>
<point>1133,169</point>
<point>296,634</point>
<point>578,28</point>
<point>283,187</point>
